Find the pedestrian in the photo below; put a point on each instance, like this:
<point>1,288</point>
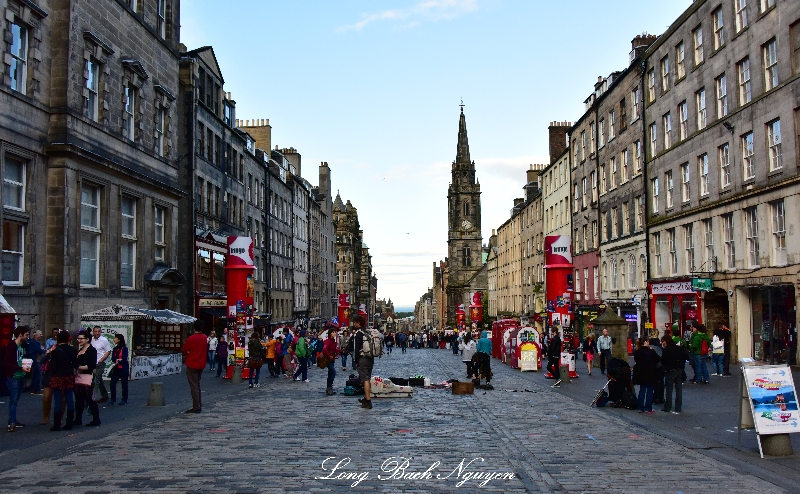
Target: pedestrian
<point>270,356</point>
<point>120,370</point>
<point>63,364</point>
<point>221,356</point>
<point>195,351</point>
<point>402,339</point>
<point>700,345</point>
<point>644,373</point>
<point>604,343</point>
<point>255,359</point>
<point>484,367</point>
<point>212,350</point>
<point>330,349</point>
<point>724,334</point>
<point>554,355</point>
<point>717,354</point>
<point>103,348</point>
<point>285,351</point>
<point>51,342</point>
<point>343,340</point>
<point>47,392</point>
<point>15,373</point>
<point>589,350</point>
<point>673,359</point>
<point>87,361</point>
<point>35,353</point>
<point>658,388</point>
<point>389,343</point>
<point>364,363</point>
<point>455,343</point>
<point>279,356</point>
<point>301,352</point>
<point>467,348</point>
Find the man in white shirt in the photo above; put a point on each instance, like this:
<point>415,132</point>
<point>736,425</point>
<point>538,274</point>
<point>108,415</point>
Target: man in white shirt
<point>604,346</point>
<point>103,347</point>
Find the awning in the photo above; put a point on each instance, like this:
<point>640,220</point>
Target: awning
<point>214,311</point>
<point>5,307</point>
<point>125,313</point>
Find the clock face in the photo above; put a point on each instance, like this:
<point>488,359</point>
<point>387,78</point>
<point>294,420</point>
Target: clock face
<point>466,225</point>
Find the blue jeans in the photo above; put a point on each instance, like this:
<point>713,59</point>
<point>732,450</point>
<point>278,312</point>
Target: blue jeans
<point>331,373</point>
<point>716,362</point>
<point>303,370</point>
<point>389,349</point>
<point>344,361</point>
<point>646,397</point>
<point>222,366</point>
<point>257,373</point>
<point>14,392</point>
<point>211,359</point>
<point>59,395</point>
<point>700,368</point>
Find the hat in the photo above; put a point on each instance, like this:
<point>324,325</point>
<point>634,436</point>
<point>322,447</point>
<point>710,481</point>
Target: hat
<point>302,332</point>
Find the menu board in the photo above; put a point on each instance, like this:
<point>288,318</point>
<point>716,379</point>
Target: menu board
<point>773,399</point>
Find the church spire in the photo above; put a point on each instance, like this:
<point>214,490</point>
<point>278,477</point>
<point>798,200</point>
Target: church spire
<point>462,151</point>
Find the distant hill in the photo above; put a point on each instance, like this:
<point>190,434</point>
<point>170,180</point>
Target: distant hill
<point>403,308</point>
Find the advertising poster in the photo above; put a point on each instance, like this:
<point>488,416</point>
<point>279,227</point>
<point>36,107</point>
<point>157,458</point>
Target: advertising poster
<point>772,398</point>
<point>108,330</point>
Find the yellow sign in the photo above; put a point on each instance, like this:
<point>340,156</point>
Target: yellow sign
<point>212,302</point>
<point>240,353</point>
<point>648,325</point>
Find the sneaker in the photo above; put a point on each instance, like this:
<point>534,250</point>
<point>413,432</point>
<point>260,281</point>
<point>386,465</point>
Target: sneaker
<point>557,384</point>
<point>362,400</point>
<point>249,385</point>
<point>675,412</point>
<point>367,404</point>
<point>344,368</point>
<point>649,412</point>
<point>37,393</point>
<point>297,379</point>
<point>12,427</point>
<point>306,381</point>
<point>258,385</point>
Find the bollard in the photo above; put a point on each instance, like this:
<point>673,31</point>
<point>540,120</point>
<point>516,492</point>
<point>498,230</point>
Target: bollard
<point>156,398</point>
<point>563,374</point>
<point>776,445</point>
<point>236,377</point>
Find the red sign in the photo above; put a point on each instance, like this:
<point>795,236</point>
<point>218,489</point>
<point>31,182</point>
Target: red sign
<point>557,250</point>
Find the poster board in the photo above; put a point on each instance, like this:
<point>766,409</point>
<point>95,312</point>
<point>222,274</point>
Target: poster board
<point>529,357</point>
<point>773,399</point>
<point>108,330</point>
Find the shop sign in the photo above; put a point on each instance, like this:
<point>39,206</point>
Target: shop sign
<point>636,299</point>
<point>702,284</point>
<point>632,317</point>
<point>671,288</point>
<point>648,325</point>
<point>212,302</point>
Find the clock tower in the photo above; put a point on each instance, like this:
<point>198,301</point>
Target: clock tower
<point>464,240</point>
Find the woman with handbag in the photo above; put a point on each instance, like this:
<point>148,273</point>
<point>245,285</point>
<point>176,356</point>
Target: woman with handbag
<point>87,361</point>
<point>255,358</point>
<point>589,351</point>
<point>467,347</point>
<point>121,369</point>
<point>63,363</point>
<point>330,350</point>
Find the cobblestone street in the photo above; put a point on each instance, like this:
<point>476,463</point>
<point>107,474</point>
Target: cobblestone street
<point>275,438</point>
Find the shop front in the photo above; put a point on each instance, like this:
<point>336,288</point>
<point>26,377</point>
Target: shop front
<point>773,322</point>
<point>674,305</point>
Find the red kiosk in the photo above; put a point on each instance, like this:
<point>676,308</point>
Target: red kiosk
<point>239,268</point>
<point>559,287</point>
<point>343,312</point>
<point>499,329</point>
<point>461,317</point>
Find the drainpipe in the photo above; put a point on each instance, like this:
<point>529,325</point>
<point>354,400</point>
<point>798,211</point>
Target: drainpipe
<point>642,71</point>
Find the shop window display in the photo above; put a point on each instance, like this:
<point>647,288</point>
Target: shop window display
<point>773,324</point>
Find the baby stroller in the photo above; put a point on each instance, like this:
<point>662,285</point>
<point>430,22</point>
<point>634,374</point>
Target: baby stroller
<point>619,377</point>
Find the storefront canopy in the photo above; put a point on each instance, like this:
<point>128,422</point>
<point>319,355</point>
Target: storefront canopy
<point>125,313</point>
<point>5,307</point>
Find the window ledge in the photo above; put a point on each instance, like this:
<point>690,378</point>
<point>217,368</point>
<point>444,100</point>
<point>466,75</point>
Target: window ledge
<point>698,65</point>
<point>726,190</point>
<point>775,173</point>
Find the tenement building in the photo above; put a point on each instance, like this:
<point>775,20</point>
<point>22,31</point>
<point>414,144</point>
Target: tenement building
<point>623,253</point>
<point>723,178</point>
<point>322,285</point>
<point>90,162</point>
<point>532,241</point>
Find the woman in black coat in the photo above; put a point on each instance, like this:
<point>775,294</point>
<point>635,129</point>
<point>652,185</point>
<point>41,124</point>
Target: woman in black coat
<point>645,374</point>
<point>63,362</point>
<point>87,361</point>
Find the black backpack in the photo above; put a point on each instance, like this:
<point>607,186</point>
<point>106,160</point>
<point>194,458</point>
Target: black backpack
<point>629,400</point>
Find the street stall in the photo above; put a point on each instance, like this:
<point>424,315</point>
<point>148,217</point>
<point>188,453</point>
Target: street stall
<point>154,337</point>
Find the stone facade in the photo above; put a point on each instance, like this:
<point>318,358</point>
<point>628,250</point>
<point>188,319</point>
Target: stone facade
<point>280,251</point>
<point>323,248</point>
<point>733,158</point>
<point>532,246</point>
<point>88,134</point>
<point>353,261</point>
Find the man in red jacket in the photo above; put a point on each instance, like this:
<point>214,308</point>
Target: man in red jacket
<point>195,350</point>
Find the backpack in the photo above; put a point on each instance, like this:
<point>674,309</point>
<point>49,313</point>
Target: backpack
<point>301,349</point>
<point>717,344</point>
<point>704,346</point>
<point>371,343</point>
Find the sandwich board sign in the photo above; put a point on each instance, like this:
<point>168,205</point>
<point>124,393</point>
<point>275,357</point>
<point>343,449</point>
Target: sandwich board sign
<point>773,399</point>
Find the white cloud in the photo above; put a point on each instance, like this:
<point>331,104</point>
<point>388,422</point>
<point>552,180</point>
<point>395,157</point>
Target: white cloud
<point>428,10</point>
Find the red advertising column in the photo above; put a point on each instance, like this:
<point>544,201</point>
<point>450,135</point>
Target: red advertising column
<point>362,311</point>
<point>559,287</point>
<point>343,313</point>
<point>239,288</point>
<point>461,317</point>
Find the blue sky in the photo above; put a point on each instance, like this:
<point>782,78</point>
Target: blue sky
<point>373,88</point>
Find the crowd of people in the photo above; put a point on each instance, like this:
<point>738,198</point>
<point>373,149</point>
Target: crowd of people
<point>69,375</point>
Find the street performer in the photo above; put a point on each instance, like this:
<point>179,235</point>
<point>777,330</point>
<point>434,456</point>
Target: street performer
<point>554,356</point>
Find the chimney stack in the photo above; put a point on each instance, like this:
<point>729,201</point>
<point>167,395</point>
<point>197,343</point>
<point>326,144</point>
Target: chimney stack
<point>558,138</point>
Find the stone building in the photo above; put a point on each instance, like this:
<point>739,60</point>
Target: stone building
<point>439,295</point>
<point>322,287</point>
<point>220,168</point>
<point>280,252</point>
<point>490,304</point>
<point>464,240</point>
<point>509,264</point>
<point>556,179</point>
<point>532,238</point>
<point>727,76</point>
<point>623,253</point>
<point>302,253</point>
<point>353,261</point>
<point>88,132</point>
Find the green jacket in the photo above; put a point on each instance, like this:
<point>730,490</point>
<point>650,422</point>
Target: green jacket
<point>301,349</point>
<point>697,342</point>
